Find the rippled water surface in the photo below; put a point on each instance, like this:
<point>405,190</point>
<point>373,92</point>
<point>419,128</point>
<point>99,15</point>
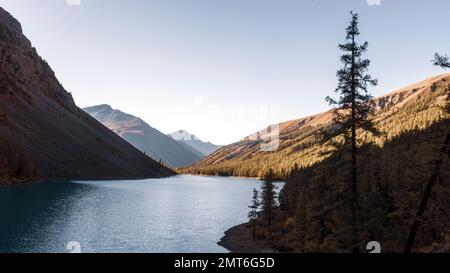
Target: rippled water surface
<point>177,214</point>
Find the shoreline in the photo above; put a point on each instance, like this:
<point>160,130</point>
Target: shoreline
<point>238,239</point>
<point>26,181</point>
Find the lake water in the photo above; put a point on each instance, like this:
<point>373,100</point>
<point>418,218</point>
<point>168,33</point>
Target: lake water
<point>177,214</point>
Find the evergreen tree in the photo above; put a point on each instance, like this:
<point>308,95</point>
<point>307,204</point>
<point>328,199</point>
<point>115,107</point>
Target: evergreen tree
<point>354,109</point>
<point>441,61</point>
<point>253,214</point>
<point>268,197</point>
<point>282,199</point>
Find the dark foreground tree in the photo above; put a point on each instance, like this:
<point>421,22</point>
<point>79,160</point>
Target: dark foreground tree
<point>253,214</point>
<point>353,111</point>
<point>268,197</point>
<point>441,61</point>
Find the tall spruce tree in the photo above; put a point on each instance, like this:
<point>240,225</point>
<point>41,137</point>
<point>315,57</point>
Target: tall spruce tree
<point>353,110</point>
<point>268,197</point>
<point>253,214</point>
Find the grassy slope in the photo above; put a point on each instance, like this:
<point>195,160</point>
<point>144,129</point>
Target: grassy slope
<point>413,107</point>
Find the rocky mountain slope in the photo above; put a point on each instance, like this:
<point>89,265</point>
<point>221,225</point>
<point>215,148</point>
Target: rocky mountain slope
<point>145,138</point>
<point>204,148</point>
<point>43,134</point>
<point>398,112</point>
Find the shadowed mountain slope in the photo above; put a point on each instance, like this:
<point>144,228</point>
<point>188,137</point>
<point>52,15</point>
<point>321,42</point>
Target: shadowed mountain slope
<point>315,212</point>
<point>205,148</point>
<point>43,134</point>
<point>145,138</point>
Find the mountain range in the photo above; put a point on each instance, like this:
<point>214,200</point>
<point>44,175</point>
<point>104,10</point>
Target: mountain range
<point>146,138</point>
<point>184,137</point>
<point>43,134</point>
<point>396,113</point>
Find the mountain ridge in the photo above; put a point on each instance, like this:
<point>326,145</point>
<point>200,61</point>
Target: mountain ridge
<point>205,148</point>
<point>297,137</point>
<point>143,136</point>
<point>43,134</point>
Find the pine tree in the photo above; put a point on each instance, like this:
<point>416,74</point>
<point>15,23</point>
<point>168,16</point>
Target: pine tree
<point>441,61</point>
<point>268,197</point>
<point>354,109</point>
<point>253,214</point>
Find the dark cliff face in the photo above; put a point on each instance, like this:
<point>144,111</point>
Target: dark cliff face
<point>43,134</point>
<point>11,31</point>
<point>23,71</point>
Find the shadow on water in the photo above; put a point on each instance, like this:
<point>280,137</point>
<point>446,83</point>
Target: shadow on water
<point>30,213</point>
<point>177,214</point>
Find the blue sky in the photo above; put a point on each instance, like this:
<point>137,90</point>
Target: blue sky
<point>208,66</point>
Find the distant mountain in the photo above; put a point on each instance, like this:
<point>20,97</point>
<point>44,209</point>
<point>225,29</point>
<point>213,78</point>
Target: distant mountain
<point>192,149</point>
<point>412,107</point>
<point>147,139</point>
<point>43,134</point>
<point>205,148</point>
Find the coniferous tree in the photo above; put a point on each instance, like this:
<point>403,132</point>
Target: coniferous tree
<point>354,108</point>
<point>282,199</point>
<point>253,214</point>
<point>441,60</point>
<point>268,197</point>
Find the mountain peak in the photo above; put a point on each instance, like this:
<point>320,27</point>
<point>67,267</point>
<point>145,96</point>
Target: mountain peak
<point>100,107</point>
<point>144,137</point>
<point>11,30</point>
<point>43,134</point>
<point>183,135</point>
<point>204,148</point>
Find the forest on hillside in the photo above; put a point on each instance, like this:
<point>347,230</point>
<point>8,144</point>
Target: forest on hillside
<point>372,174</point>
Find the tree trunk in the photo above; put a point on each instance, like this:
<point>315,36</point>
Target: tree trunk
<point>420,211</point>
<point>354,198</point>
<point>425,199</point>
<point>254,230</point>
<point>355,218</point>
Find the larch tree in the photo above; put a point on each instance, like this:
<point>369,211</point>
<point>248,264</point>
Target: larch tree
<point>353,110</point>
<point>253,214</point>
<point>268,197</point>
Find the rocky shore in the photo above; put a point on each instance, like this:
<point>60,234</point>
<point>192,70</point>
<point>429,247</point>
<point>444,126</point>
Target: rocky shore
<point>238,239</point>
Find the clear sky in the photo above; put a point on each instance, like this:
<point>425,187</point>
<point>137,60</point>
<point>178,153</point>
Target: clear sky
<point>224,69</point>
